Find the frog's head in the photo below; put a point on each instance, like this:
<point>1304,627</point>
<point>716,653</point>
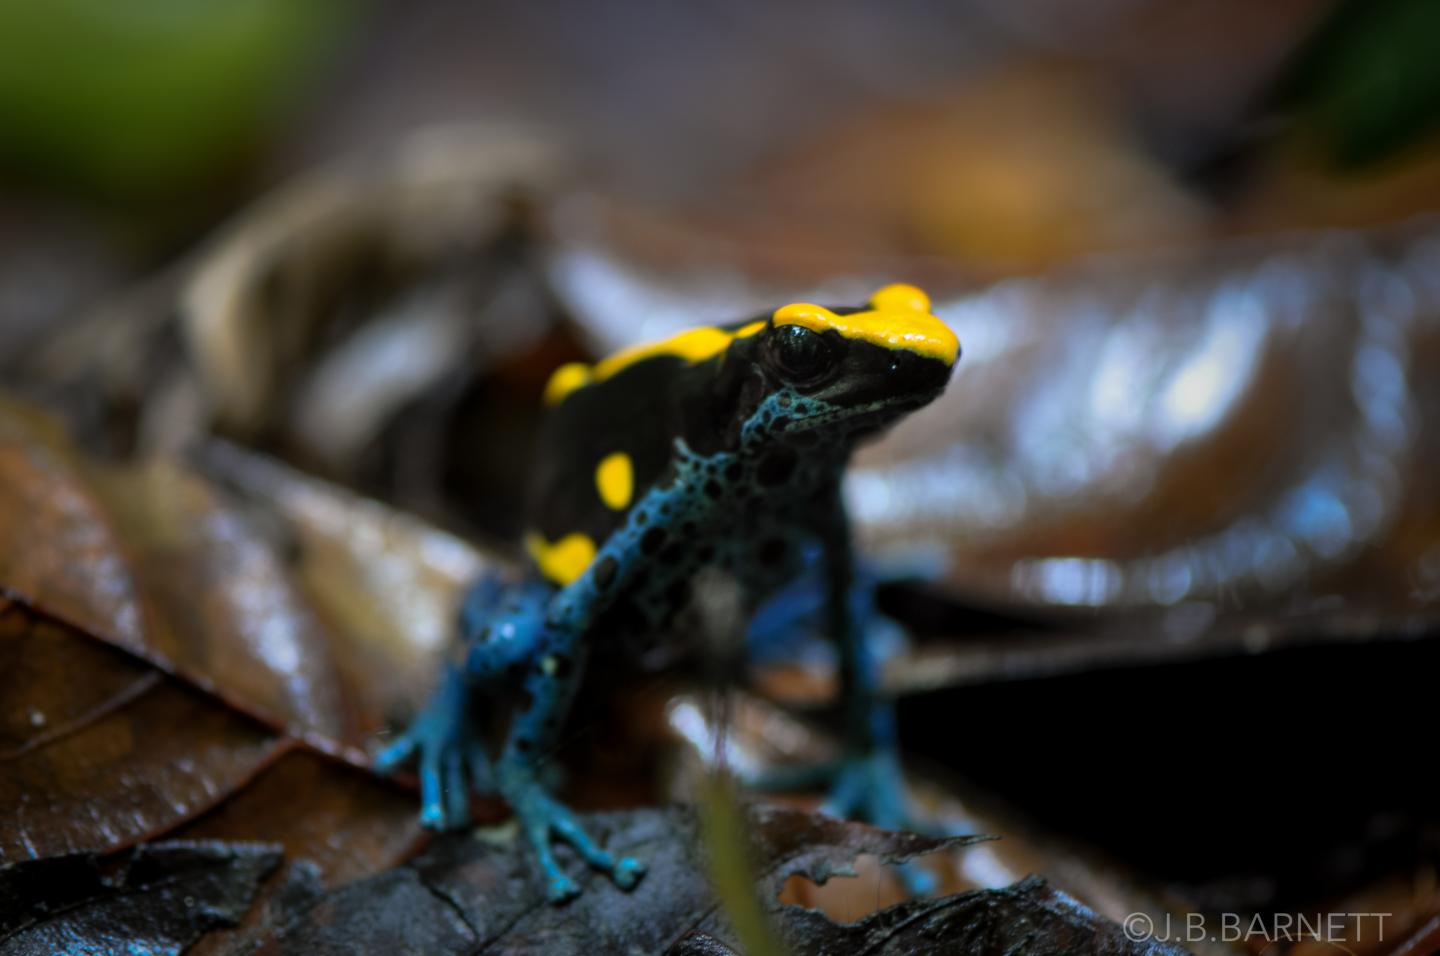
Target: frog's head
<point>819,373</point>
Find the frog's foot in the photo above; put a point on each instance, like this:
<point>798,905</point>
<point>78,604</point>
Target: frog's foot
<point>543,819</point>
<point>452,760</point>
<point>867,786</point>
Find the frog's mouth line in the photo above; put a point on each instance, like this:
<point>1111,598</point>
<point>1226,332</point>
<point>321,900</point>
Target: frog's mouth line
<point>858,416</point>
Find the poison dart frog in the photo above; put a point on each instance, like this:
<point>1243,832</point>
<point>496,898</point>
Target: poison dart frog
<point>721,447</point>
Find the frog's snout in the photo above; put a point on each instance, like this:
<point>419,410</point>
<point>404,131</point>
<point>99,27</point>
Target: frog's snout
<point>920,374</point>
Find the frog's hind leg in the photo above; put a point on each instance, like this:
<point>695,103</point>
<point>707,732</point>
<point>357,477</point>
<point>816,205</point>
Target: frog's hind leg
<point>867,782</point>
<point>792,625</point>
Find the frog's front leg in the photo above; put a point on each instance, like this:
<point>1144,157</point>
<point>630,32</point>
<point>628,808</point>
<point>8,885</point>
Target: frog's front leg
<point>499,628</point>
<point>549,688</point>
<point>531,635</point>
<point>554,676</point>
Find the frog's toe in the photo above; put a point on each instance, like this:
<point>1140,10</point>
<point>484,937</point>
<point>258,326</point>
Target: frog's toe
<point>432,816</point>
<point>432,791</point>
<point>446,771</point>
<point>544,820</point>
<point>561,889</point>
<point>627,872</point>
<point>389,758</point>
<point>450,758</point>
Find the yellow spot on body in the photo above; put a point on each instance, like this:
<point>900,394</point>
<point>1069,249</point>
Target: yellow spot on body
<point>615,480</point>
<point>549,665</point>
<point>745,331</point>
<point>563,561</point>
<point>565,380</point>
<point>899,318</point>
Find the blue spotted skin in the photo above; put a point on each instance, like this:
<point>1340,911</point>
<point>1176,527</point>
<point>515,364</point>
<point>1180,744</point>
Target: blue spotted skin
<point>738,463</point>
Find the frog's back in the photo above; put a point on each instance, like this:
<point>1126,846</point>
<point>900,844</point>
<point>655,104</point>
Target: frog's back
<point>608,434</point>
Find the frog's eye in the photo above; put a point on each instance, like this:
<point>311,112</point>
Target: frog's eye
<point>803,357</point>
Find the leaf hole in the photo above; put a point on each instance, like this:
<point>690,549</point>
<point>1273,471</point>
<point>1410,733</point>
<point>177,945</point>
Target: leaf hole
<point>843,898</point>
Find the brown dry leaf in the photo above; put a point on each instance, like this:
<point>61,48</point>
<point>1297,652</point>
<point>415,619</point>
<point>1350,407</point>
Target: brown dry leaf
<point>386,581</point>
<point>148,561</point>
<point>297,603</point>
<point>224,606</point>
<point>58,548</point>
<point>103,750</point>
<point>175,657</point>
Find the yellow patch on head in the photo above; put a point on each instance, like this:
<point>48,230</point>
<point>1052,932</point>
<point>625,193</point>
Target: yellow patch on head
<point>563,561</point>
<point>900,297</point>
<point>615,480</point>
<point>899,318</point>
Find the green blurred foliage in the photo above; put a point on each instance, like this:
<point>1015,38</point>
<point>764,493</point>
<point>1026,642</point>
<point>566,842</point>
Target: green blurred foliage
<point>1368,82</point>
<point>732,871</point>
<point>144,99</point>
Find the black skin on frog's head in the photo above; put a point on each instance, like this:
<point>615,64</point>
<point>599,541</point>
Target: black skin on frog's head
<point>816,375</point>
<point>803,375</point>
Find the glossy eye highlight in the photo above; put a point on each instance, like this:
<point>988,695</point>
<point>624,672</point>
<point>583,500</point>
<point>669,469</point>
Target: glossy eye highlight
<point>803,357</point>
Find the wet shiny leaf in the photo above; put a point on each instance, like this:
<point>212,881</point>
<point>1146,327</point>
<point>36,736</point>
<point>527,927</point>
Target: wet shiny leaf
<point>57,546</point>
<point>102,750</point>
<point>385,581</point>
<point>225,608</point>
<point>1233,425</point>
<point>179,658</point>
<point>150,561</point>
<point>305,606</point>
